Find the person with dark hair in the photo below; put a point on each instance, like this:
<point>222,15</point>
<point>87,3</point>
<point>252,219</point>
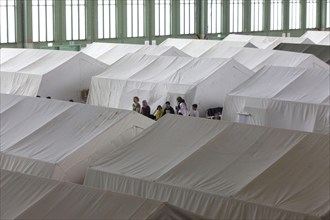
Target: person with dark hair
<point>168,109</point>
<point>182,107</point>
<point>194,112</point>
<point>136,105</point>
<point>159,112</point>
<point>145,109</point>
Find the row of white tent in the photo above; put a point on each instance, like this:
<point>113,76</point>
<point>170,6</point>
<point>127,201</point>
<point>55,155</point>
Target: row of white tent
<point>270,42</point>
<point>42,72</point>
<point>154,73</point>
<point>30,197</point>
<point>57,74</point>
<point>266,42</point>
<point>163,78</point>
<point>197,47</point>
<point>281,97</point>
<point>252,58</point>
<point>220,170</point>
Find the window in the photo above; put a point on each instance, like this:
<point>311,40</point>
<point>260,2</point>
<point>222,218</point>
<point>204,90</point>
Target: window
<point>328,14</point>
<point>106,19</point>
<point>214,16</point>
<point>276,10</point>
<point>294,19</point>
<point>236,15</point>
<point>42,20</point>
<point>187,16</point>
<point>75,20</point>
<point>135,18</point>
<point>7,21</point>
<point>311,13</point>
<point>257,13</point>
<point>162,17</point>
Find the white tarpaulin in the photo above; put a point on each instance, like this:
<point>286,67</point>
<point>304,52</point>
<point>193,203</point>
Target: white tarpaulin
<point>256,59</point>
<point>222,170</point>
<point>266,42</point>
<point>110,53</point>
<point>57,139</point>
<point>158,79</point>
<point>318,37</point>
<point>195,48</point>
<point>58,74</point>
<point>282,97</point>
<point>30,197</point>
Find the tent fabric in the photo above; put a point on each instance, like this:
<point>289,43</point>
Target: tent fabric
<point>320,51</point>
<point>158,79</point>
<point>58,74</point>
<point>30,197</point>
<point>318,37</point>
<point>266,42</point>
<point>222,170</point>
<point>7,54</point>
<point>195,48</point>
<point>57,139</point>
<point>110,53</point>
<point>281,97</point>
<point>256,59</point>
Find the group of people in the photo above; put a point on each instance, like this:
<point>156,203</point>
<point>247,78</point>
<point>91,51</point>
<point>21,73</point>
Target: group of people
<point>181,109</point>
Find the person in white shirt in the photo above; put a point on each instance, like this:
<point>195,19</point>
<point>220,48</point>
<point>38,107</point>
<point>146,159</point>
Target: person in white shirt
<point>194,112</point>
<point>182,107</point>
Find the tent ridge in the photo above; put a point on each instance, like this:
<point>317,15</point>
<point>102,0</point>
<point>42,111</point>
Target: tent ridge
<point>47,52</point>
<point>12,106</point>
<point>41,127</point>
<point>201,145</point>
<point>41,58</point>
<point>286,85</point>
<point>304,136</point>
<point>53,189</point>
<point>138,208</point>
<point>113,123</point>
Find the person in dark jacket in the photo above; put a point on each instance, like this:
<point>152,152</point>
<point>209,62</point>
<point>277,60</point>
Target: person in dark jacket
<point>168,108</point>
<point>145,109</point>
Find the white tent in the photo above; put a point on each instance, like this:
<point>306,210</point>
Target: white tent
<point>222,170</point>
<point>318,37</point>
<point>256,59</point>
<point>57,139</point>
<point>281,97</point>
<point>195,48</point>
<point>58,74</point>
<point>266,42</point>
<point>29,197</point>
<point>110,53</point>
<point>158,79</point>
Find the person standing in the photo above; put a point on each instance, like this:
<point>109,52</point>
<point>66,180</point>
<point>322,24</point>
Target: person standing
<point>145,109</point>
<point>182,107</point>
<point>136,105</point>
<point>194,112</point>
<point>168,109</point>
<point>159,112</point>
